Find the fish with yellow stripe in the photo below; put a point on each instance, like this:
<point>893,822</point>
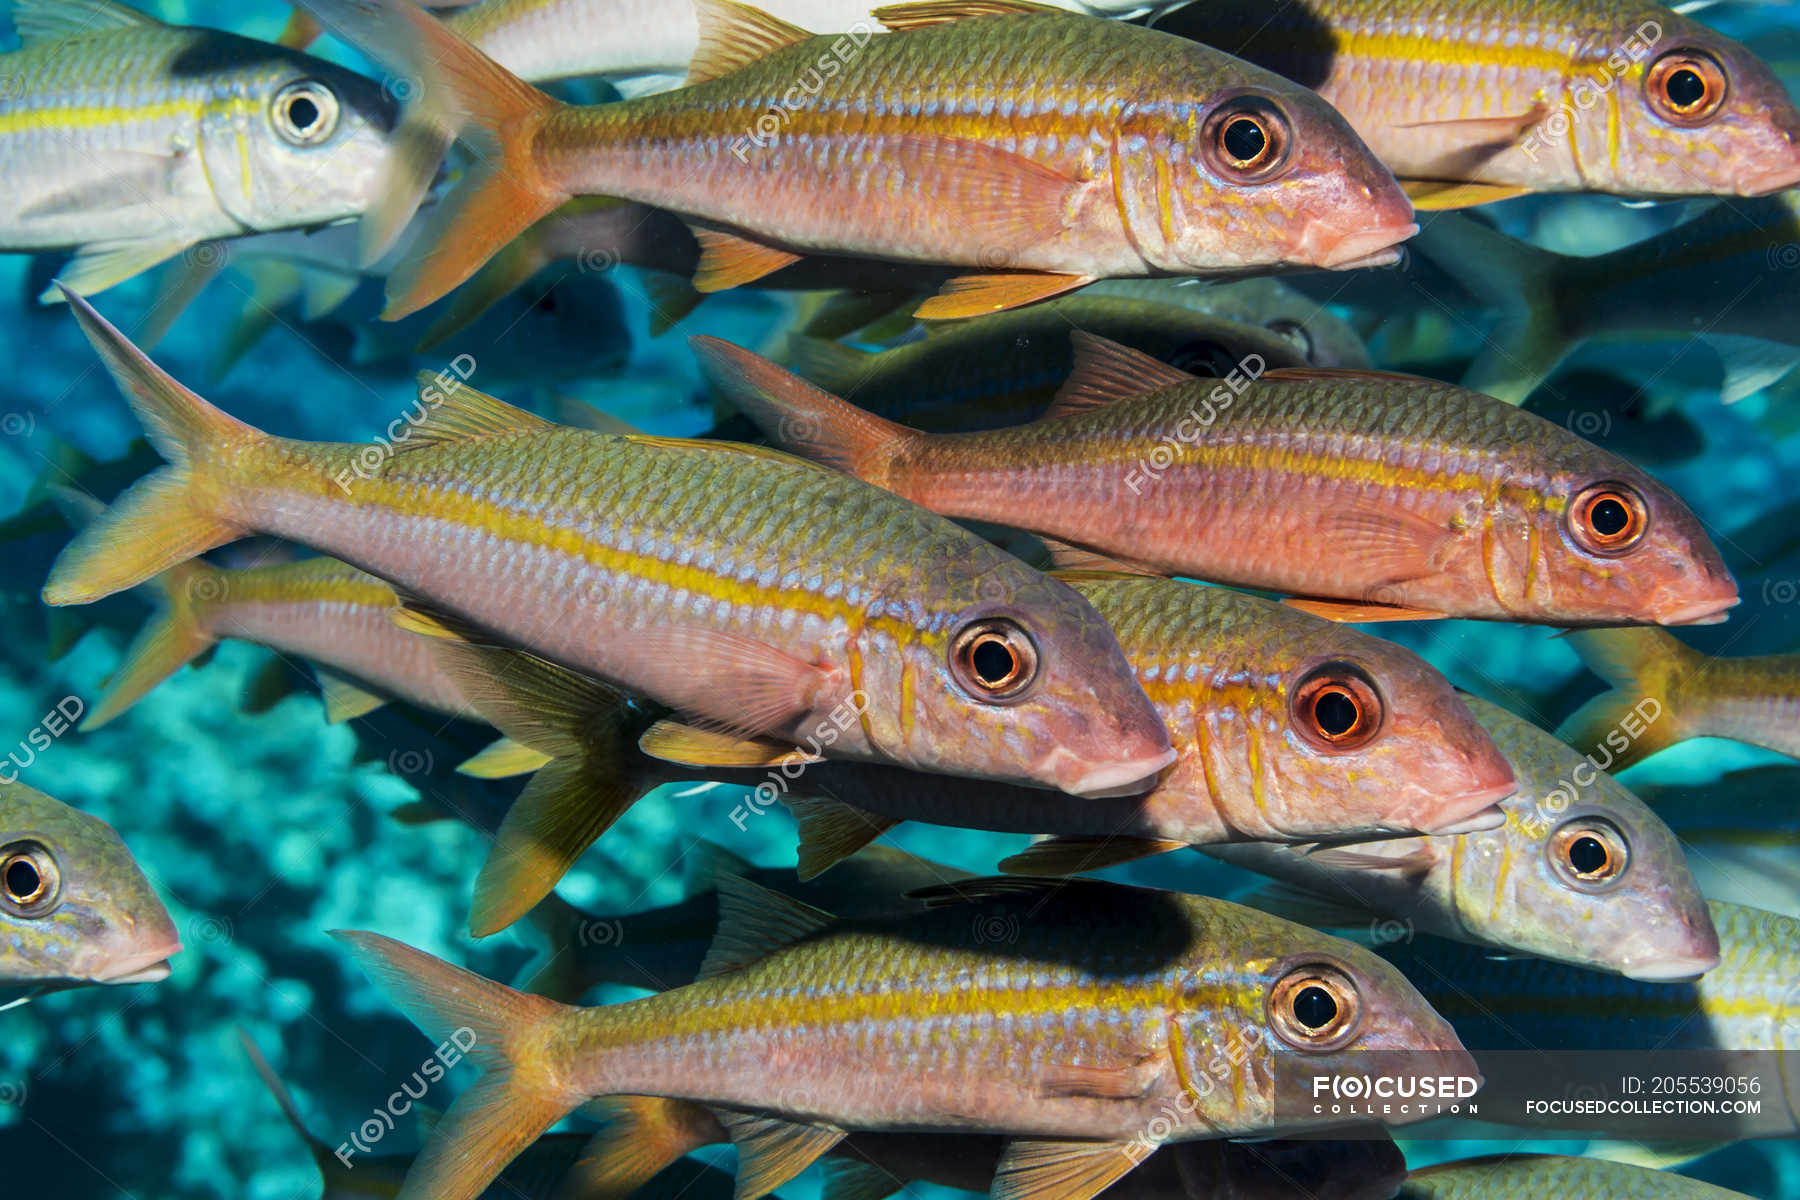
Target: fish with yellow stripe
<point>732,583</point>
<point>1660,691</point>
<point>1477,100</point>
<point>1069,1015</point>
<point>1582,872</point>
<point>1286,727</point>
<point>130,141</point>
<point>1034,148</point>
<point>1365,496</point>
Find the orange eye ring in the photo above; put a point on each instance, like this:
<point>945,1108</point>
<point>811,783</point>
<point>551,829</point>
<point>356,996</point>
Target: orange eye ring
<point>30,883</point>
<point>1315,1007</point>
<point>994,659</point>
<point>1686,87</point>
<point>1246,139</point>
<point>1336,708</point>
<point>1608,519</point>
<point>1589,854</point>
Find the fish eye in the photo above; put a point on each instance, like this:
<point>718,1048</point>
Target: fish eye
<point>30,883</point>
<point>1315,1007</point>
<point>1246,139</point>
<point>1294,332</point>
<point>304,113</point>
<point>1203,358</point>
<point>1589,853</point>
<point>1335,707</point>
<point>994,659</point>
<point>1686,87</point>
<point>1608,518</point>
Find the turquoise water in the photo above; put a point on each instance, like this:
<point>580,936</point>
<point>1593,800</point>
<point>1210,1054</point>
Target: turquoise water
<point>263,831</point>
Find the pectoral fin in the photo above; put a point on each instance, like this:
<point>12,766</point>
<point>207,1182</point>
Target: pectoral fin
<point>979,295</point>
<point>1349,612</point>
<point>1437,195</point>
<point>1044,1170</point>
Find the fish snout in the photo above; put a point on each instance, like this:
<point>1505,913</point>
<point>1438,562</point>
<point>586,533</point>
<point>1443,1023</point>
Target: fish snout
<point>1380,220</point>
<point>1670,951</point>
<point>140,952</point>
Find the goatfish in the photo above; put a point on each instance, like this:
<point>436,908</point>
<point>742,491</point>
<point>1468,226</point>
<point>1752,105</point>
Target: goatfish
<point>131,141</point>
<point>1038,150</point>
<point>1365,496</point>
<point>731,583</point>
<point>1065,1014</point>
<point>1476,101</point>
<point>75,907</point>
<point>1005,369</point>
<point>336,617</point>
<point>1582,872</point>
<point>1660,692</point>
<point>1729,277</point>
<point>1529,1176</point>
<point>1286,727</point>
<point>646,46</point>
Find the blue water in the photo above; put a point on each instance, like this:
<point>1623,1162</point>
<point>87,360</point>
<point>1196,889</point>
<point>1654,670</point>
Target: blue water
<point>264,831</point>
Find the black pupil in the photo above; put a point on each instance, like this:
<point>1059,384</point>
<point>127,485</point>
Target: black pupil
<point>1686,88</point>
<point>1245,140</point>
<point>1609,517</point>
<point>1588,855</point>
<point>1335,713</point>
<point>1314,1007</point>
<point>302,113</point>
<point>992,661</point>
<point>22,879</point>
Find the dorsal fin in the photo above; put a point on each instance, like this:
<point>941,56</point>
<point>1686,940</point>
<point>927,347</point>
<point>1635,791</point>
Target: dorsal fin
<point>754,922</point>
<point>1105,371</point>
<point>52,20</point>
<point>926,13</point>
<point>462,414</point>
<point>733,35</point>
<point>1360,374</point>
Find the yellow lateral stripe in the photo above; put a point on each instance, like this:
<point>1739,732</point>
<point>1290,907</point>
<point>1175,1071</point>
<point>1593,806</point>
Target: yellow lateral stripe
<point>419,502</point>
<point>97,115</point>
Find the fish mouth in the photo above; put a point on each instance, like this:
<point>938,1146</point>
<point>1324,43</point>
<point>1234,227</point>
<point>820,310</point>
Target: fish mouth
<point>1767,182</point>
<point>1491,817</point>
<point>1107,780</point>
<point>1701,612</point>
<point>1473,811</point>
<point>145,966</point>
<point>1671,970</point>
<point>1335,250</point>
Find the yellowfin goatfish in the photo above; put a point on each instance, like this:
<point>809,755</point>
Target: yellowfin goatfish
<point>1326,339</point>
<point>1660,692</point>
<point>1535,1176</point>
<point>1372,496</point>
<point>732,583</point>
<point>1034,148</point>
<point>1286,727</point>
<point>646,46</point>
<point>1475,100</point>
<point>1067,1014</point>
<point>1729,278</point>
<point>130,140</point>
<point>1583,873</point>
<point>74,906</point>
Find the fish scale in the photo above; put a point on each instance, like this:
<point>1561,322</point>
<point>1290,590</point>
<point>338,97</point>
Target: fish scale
<point>733,583</point>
